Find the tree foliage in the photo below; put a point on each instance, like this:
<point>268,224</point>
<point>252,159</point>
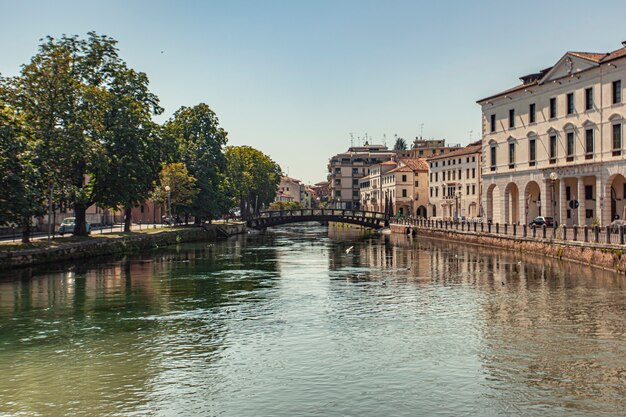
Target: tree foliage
<point>284,205</point>
<point>199,145</point>
<point>182,188</point>
<point>252,178</point>
<point>400,145</point>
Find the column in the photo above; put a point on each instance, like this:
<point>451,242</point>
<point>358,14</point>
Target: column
<point>581,201</point>
<point>545,198</point>
<point>562,203</point>
<point>600,200</point>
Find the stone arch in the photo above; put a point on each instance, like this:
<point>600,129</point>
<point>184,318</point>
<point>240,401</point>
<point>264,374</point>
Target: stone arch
<point>532,200</point>
<point>472,210</point>
<point>615,193</point>
<point>493,210</point>
<point>421,212</point>
<point>511,204</point>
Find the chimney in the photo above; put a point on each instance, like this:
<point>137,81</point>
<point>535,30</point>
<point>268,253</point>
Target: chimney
<point>624,43</point>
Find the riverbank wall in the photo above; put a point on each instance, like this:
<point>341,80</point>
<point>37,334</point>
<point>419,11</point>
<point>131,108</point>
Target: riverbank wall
<point>103,245</point>
<point>606,256</point>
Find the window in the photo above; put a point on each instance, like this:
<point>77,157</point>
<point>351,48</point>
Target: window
<point>436,176</point>
<point>338,193</point>
<point>467,173</point>
<point>532,113</point>
<point>588,98</point>
<point>473,172</point>
<point>617,92</point>
<point>568,193</point>
<point>459,174</point>
<point>552,149</point>
<point>570,144</point>
<point>417,183</point>
<point>589,192</point>
<point>355,182</point>
<point>431,191</point>
<point>493,157</point>
<point>552,107</point>
<point>532,150</point>
<point>355,170</point>
<point>511,155</point>
<point>337,171</point>
<point>337,182</point>
<point>617,139</point>
<point>570,103</point>
<point>431,176</point>
<point>473,189</point>
<point>511,118</point>
<point>493,122</point>
<point>403,192</point>
<point>589,141</point>
<point>436,192</point>
<point>404,178</point>
<point>467,190</point>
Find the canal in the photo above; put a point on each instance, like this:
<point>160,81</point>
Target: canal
<point>292,323</point>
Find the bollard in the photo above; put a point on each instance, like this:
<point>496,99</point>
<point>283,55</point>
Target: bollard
<point>474,227</point>
<point>514,229</point>
<point>554,232</point>
<point>575,233</point>
<point>596,231</point>
<point>608,234</point>
<point>534,231</point>
<point>564,232</point>
<point>497,228</point>
<point>524,231</point>
<point>586,233</point>
<point>489,227</point>
<point>621,235</point>
<point>506,228</point>
<point>543,227</point>
<point>482,227</point>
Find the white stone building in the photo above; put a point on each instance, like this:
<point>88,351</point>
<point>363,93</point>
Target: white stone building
<point>554,145</point>
<point>455,183</point>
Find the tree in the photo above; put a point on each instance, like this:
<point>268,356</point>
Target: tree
<point>251,178</point>
<point>83,106</point>
<point>182,188</point>
<point>132,142</point>
<point>400,145</point>
<point>20,194</point>
<point>200,142</point>
<point>284,205</point>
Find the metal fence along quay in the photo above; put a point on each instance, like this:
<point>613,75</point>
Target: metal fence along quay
<point>611,235</point>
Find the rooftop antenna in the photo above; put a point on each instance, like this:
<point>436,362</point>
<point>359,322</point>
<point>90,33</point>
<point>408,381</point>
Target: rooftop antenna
<point>385,140</point>
<point>471,132</point>
<point>421,130</point>
<point>351,139</point>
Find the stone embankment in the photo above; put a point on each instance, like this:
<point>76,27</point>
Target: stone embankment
<point>108,245</point>
<point>603,255</point>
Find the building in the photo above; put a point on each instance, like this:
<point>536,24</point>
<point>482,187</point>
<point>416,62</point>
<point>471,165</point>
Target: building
<point>554,146</point>
<point>400,187</point>
<point>345,170</point>
<point>424,148</point>
<point>322,191</point>
<point>455,183</point>
<point>290,189</point>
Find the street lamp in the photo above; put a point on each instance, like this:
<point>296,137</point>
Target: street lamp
<point>553,178</point>
<point>168,207</point>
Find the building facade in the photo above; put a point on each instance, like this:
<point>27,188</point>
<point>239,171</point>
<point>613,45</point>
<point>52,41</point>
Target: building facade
<point>400,187</point>
<point>346,169</point>
<point>290,189</point>
<point>455,184</point>
<point>553,145</point>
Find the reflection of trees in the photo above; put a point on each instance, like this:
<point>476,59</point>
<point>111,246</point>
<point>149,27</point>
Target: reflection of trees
<point>106,331</point>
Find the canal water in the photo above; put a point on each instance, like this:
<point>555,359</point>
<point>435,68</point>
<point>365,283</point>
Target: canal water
<point>292,323</point>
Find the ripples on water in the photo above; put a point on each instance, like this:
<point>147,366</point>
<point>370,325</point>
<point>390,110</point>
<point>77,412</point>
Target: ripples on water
<point>287,323</point>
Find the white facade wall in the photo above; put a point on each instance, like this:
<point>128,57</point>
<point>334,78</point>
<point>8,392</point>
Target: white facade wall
<point>517,187</point>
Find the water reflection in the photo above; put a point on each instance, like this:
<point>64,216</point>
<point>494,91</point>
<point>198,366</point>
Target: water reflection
<point>291,323</point>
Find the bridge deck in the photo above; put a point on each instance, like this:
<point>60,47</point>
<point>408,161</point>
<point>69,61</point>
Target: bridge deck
<point>371,219</point>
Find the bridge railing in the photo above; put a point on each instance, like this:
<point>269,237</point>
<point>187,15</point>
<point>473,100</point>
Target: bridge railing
<point>320,212</point>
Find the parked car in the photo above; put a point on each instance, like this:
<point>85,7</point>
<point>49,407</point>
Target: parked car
<point>540,221</point>
<point>68,224</point>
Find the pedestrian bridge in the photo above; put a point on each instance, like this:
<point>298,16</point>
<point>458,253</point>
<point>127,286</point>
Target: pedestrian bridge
<point>371,219</point>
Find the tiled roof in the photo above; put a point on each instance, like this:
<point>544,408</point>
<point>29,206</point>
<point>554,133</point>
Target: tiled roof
<point>418,164</point>
<point>400,169</point>
<point>389,163</point>
<point>469,149</point>
<point>598,58</point>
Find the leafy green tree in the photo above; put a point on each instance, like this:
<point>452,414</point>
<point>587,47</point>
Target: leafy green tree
<point>400,145</point>
<point>251,178</point>
<point>132,143</point>
<point>82,105</point>
<point>200,142</point>
<point>284,205</point>
<point>182,188</point>
<point>20,194</point>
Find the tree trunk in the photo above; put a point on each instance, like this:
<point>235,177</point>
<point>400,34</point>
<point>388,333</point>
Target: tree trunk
<point>127,219</point>
<point>242,208</point>
<point>80,228</point>
<point>26,233</point>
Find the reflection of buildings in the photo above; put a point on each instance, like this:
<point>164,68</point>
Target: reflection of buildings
<point>554,146</point>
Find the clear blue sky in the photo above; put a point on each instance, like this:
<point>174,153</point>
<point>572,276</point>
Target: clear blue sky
<point>294,78</point>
